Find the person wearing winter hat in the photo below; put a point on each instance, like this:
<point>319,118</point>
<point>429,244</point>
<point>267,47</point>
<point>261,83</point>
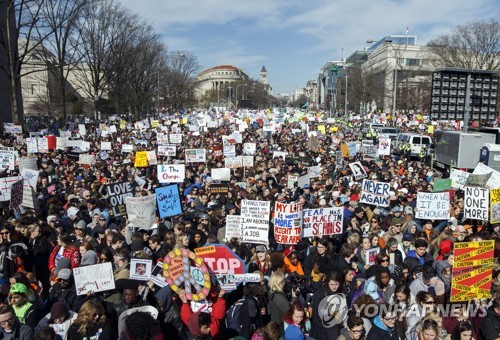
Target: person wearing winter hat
<point>25,311</point>
<point>59,319</point>
<point>64,290</point>
<point>89,258</point>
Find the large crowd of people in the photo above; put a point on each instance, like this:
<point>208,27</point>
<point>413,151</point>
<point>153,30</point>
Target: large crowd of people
<point>323,287</point>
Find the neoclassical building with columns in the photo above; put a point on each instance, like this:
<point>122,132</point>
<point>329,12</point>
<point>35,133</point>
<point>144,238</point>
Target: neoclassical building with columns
<point>218,78</point>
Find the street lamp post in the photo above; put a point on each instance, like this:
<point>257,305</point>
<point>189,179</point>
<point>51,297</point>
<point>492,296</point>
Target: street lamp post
<point>345,104</point>
<point>237,92</point>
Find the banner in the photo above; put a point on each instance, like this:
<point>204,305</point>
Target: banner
<point>6,187</point>
<point>232,227</point>
<point>376,193</point>
<point>476,203</point>
<point>495,206</point>
<point>171,173</point>
<point>221,174</point>
<point>167,150</point>
<point>117,192</point>
<point>433,205</point>
<point>195,156</point>
<point>141,210</point>
<point>458,178</point>
<point>357,170</point>
<point>255,221</point>
<point>16,194</point>
<point>141,159</point>
<point>95,278</point>
<point>323,221</point>
<point>384,146</point>
<point>169,201</point>
<point>287,223</point>
<point>472,270</point>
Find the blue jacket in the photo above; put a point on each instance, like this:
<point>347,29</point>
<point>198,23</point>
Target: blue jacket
<point>381,331</point>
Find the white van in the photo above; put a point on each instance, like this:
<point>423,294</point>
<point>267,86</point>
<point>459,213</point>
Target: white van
<point>416,141</point>
<point>367,126</point>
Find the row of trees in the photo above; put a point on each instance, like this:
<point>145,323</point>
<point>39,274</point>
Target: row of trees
<point>118,59</point>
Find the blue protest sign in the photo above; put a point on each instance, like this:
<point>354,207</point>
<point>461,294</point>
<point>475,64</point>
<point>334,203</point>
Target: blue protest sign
<point>169,201</point>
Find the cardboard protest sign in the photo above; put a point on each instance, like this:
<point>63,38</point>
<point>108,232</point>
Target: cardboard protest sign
<point>169,201</point>
<point>175,138</point>
<point>249,148</point>
<point>16,194</point>
<point>6,187</point>
<point>232,227</point>
<point>322,221</point>
<point>224,264</point>
<point>255,221</point>
<point>476,203</point>
<point>195,156</point>
<point>287,223</point>
<point>30,177</point>
<point>86,159</point>
<point>95,278</point>
<point>472,270</point>
<point>495,206</point>
<point>105,146</point>
<point>171,173</point>
<point>141,210</point>
<point>117,192</point>
<point>357,170</point>
<point>441,184</point>
<point>375,193</point>
<point>140,269</point>
<point>6,160</point>
<point>433,205</point>
<point>384,146</point>
<point>494,179</point>
<point>183,269</point>
<point>141,159</point>
<point>221,174</point>
<point>458,178</point>
<point>32,145</point>
<point>27,163</point>
<point>477,180</point>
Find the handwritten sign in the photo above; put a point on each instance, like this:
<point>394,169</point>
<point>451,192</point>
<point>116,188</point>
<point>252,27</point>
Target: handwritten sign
<point>221,174</point>
<point>175,138</point>
<point>495,206</point>
<point>287,223</point>
<point>16,195</point>
<point>30,176</point>
<point>168,150</point>
<point>141,159</point>
<point>43,144</point>
<point>433,205</point>
<point>233,163</point>
<point>127,148</point>
<point>141,210</point>
<point>95,278</point>
<point>376,193</point>
<point>86,159</point>
<point>476,203</point>
<point>171,173</point>
<point>32,145</point>
<point>195,156</point>
<point>232,227</point>
<point>169,201</point>
<point>152,160</point>
<point>249,148</point>
<point>458,178</point>
<point>255,221</point>
<point>247,161</point>
<point>6,160</point>
<point>117,192</point>
<point>322,221</point>
<point>6,187</point>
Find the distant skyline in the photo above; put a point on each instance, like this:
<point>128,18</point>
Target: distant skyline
<point>294,39</point>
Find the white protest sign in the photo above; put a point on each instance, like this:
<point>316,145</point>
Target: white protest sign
<point>30,199</point>
<point>376,193</point>
<point>287,223</point>
<point>315,171</point>
<point>229,150</point>
<point>141,210</point>
<point>433,205</point>
<point>255,221</point>
<point>303,180</point>
<point>140,269</point>
<point>384,146</point>
<point>476,203</point>
<point>494,180</point>
<point>247,161</point>
<point>6,160</point>
<point>82,130</point>
<point>232,227</point>
<point>61,143</point>
<point>168,150</point>
<point>30,177</point>
<point>291,181</point>
<point>458,178</point>
<point>105,146</point>
<point>95,278</point>
<point>175,138</point>
<point>357,170</point>
<point>171,173</point>
<point>112,129</point>
<point>43,144</point>
<point>322,221</point>
<point>152,160</point>
<point>233,163</point>
<point>195,156</point>
<point>126,148</point>
<point>221,174</point>
<point>249,148</point>
<point>27,163</point>
<point>162,138</point>
<point>86,159</point>
<point>6,187</point>
<point>32,145</point>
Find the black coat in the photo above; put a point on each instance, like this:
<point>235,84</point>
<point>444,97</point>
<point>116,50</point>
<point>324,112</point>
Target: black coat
<point>490,328</point>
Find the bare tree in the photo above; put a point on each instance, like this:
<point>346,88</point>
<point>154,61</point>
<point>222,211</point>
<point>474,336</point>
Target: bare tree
<point>182,67</point>
<point>475,45</point>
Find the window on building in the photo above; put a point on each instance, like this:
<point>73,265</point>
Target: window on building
<point>412,62</point>
<point>33,89</point>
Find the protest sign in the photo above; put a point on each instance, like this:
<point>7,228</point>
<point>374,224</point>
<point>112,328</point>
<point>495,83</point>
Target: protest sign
<point>249,148</point>
<point>221,174</point>
<point>291,181</point>
<point>30,177</point>
<point>6,186</point>
<point>141,210</point>
<point>152,160</point>
<point>195,156</point>
<point>494,179</point>
<point>169,201</point>
<point>495,206</point>
<point>357,170</point>
<point>303,180</point>
<point>371,255</point>
<point>94,278</point>
<point>141,159</point>
<point>30,199</point>
<point>27,163</point>
<point>477,180</point>
<point>161,138</point>
<point>16,194</point>
<point>32,145</point>
<point>86,159</point>
<point>314,171</point>
<point>376,193</point>
<point>287,223</point>
<point>219,188</point>
<point>116,197</point>
<point>140,269</point>
<point>157,275</point>
<point>229,150</point>
<point>82,131</point>
<point>126,148</point>
<point>472,270</point>
<point>223,262</point>
<point>167,150</point>
<point>233,163</point>
<point>171,173</point>
<point>232,227</point>
<point>384,146</point>
<point>43,144</point>
<point>175,138</point>
<point>433,205</point>
<point>105,146</point>
<point>441,184</point>
<point>322,221</point>
<point>458,178</point>
<point>6,160</point>
<point>255,221</point>
<point>247,161</point>
<point>61,143</point>
<point>476,203</point>
<point>112,129</point>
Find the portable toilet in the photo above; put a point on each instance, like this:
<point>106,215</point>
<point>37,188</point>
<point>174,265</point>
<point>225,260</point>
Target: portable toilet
<point>490,155</point>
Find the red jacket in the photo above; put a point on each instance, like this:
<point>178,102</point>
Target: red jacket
<point>218,312</point>
<point>72,253</point>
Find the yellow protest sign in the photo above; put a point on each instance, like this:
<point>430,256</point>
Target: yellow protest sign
<point>494,206</point>
<point>430,129</point>
<point>141,159</point>
<point>183,121</point>
<point>154,123</point>
<point>345,150</point>
<point>123,124</point>
<point>322,129</point>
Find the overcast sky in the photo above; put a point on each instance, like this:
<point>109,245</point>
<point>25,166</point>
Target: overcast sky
<point>293,38</point>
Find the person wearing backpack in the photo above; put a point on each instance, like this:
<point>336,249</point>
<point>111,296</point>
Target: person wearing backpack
<point>253,313</point>
<point>278,302</point>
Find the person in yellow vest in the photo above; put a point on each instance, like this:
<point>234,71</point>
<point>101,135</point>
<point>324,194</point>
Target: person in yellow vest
<point>423,154</point>
<point>25,311</point>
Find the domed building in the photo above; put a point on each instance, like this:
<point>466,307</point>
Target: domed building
<point>218,78</point>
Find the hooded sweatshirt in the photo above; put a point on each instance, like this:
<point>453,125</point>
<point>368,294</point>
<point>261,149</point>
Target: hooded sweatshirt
<point>439,267</point>
<point>381,331</point>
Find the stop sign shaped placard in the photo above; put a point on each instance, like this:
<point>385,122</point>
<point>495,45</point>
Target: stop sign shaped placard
<point>223,262</point>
